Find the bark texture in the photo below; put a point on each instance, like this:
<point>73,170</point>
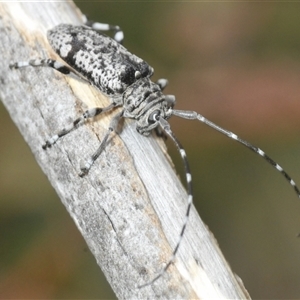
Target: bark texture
<point>131,205</point>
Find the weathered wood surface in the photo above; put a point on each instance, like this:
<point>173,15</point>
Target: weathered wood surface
<point>131,206</point>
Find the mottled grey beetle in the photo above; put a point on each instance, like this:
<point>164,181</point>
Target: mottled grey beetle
<point>125,79</point>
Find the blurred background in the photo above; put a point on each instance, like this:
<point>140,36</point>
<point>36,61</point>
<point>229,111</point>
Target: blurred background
<point>238,64</point>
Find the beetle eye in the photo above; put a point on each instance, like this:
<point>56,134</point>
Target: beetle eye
<point>154,116</point>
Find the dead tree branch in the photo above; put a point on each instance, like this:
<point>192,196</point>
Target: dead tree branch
<point>131,206</point>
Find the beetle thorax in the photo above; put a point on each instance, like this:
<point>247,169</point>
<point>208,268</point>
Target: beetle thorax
<point>141,100</point>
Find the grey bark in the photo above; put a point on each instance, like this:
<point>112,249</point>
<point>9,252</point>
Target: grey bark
<point>131,205</point>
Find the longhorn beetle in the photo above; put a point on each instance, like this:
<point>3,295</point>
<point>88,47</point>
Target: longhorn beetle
<point>125,78</point>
